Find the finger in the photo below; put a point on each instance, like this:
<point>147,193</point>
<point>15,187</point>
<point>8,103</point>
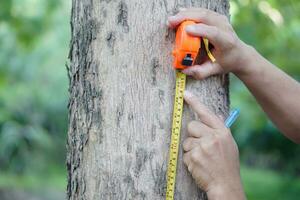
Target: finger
<point>196,9</point>
<point>186,158</point>
<point>205,115</point>
<point>212,33</point>
<point>200,15</point>
<point>190,167</point>
<point>197,129</point>
<point>196,156</point>
<point>191,156</point>
<point>204,70</point>
<point>190,143</point>
<point>187,162</point>
<point>183,9</point>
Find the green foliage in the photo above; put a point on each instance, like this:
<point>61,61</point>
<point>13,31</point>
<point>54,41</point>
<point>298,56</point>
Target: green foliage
<point>272,27</point>
<point>34,38</point>
<point>265,184</point>
<point>18,144</point>
<point>51,178</point>
<point>27,18</point>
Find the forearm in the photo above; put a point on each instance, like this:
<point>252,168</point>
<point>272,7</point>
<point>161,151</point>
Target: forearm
<point>276,92</point>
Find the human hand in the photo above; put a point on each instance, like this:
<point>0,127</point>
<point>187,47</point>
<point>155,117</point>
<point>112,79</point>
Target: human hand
<point>211,154</point>
<point>230,52</point>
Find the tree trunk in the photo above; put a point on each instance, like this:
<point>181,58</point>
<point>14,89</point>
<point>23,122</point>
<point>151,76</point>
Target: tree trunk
<point>121,99</point>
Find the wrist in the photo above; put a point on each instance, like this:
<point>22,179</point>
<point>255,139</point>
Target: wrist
<point>246,66</point>
<point>226,192</point>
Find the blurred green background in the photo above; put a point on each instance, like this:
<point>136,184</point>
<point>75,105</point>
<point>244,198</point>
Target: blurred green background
<point>34,44</point>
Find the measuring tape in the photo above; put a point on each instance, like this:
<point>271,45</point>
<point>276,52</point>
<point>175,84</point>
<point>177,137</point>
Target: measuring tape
<point>185,53</point>
<point>175,137</point>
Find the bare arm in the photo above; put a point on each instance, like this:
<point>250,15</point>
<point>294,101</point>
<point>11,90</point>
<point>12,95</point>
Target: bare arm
<point>275,91</point>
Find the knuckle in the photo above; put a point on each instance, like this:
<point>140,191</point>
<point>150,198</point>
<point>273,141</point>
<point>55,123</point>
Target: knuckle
<point>185,158</point>
<point>181,15</point>
<point>210,144</point>
<point>205,12</point>
<point>190,168</point>
<point>193,124</point>
<point>195,157</point>
<point>184,10</point>
<point>214,32</point>
<point>203,15</point>
<point>192,127</point>
<point>198,75</point>
<point>186,144</point>
<point>185,13</point>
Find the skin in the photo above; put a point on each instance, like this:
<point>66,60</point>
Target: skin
<point>211,153</point>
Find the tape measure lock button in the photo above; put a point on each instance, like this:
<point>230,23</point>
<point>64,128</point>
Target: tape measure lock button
<point>187,60</point>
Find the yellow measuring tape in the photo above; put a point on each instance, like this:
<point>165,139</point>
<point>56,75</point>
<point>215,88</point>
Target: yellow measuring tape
<point>209,54</point>
<point>176,126</point>
<point>175,137</point>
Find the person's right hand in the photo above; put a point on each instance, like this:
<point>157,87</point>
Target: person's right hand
<point>230,52</point>
<point>211,154</point>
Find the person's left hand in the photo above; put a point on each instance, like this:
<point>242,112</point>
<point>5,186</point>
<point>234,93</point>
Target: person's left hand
<point>231,53</point>
<point>211,154</point>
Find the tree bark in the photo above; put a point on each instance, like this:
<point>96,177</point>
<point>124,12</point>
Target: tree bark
<point>121,99</point>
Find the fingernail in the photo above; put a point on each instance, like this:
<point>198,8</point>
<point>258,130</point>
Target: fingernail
<point>188,94</point>
<point>167,23</point>
<point>190,28</point>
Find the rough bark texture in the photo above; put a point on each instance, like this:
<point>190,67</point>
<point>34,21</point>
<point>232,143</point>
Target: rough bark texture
<point>121,99</point>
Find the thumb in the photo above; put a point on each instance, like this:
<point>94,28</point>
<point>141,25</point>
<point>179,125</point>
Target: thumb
<point>204,70</point>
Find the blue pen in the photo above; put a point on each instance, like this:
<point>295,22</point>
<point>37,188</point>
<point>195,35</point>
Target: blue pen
<point>232,117</point>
